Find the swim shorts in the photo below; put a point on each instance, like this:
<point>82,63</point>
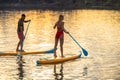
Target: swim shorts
<point>20,35</point>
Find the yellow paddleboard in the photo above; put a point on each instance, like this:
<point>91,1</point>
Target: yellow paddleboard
<point>25,53</point>
<point>58,60</point>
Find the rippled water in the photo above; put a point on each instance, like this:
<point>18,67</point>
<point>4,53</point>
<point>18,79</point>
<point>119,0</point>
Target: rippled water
<point>98,31</point>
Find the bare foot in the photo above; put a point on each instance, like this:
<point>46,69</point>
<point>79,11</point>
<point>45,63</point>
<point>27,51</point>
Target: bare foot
<point>22,51</point>
<point>55,56</point>
<point>17,50</point>
<point>62,56</point>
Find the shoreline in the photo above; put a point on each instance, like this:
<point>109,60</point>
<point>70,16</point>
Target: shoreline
<point>53,7</point>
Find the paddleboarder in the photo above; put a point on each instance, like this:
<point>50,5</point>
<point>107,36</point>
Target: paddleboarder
<point>20,32</point>
<point>59,34</point>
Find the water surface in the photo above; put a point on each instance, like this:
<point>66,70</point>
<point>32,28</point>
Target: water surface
<point>98,31</point>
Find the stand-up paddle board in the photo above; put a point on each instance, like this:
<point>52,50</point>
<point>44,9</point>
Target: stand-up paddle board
<point>25,53</point>
<point>58,60</point>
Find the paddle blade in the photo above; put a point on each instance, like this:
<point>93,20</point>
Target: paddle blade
<point>50,51</point>
<point>85,52</point>
<point>79,56</point>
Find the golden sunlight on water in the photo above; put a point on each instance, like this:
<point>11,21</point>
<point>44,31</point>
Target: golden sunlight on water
<point>98,31</point>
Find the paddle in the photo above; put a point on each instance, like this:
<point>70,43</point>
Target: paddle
<point>19,56</point>
<point>83,50</point>
<point>25,33</point>
<point>27,28</point>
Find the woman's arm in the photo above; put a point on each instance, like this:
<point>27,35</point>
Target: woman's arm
<point>55,25</point>
<point>65,29</point>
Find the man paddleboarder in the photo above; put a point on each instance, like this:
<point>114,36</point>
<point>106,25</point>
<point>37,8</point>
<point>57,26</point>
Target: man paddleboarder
<point>20,32</point>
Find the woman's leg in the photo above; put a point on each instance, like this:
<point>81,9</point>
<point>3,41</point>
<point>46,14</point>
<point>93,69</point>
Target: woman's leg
<point>61,44</point>
<point>55,47</point>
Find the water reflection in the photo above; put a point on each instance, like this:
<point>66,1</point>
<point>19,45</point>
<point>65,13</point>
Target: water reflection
<point>20,67</point>
<point>58,75</point>
<point>85,72</point>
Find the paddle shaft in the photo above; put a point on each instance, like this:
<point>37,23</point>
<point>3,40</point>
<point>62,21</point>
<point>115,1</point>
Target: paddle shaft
<point>75,40</point>
<point>25,34</point>
<point>84,51</point>
<point>27,28</point>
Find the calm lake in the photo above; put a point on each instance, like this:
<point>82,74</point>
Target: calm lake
<point>98,31</point>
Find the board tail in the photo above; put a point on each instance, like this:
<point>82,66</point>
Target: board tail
<point>49,51</point>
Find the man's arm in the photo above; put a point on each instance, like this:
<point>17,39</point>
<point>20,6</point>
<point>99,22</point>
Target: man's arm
<point>27,21</point>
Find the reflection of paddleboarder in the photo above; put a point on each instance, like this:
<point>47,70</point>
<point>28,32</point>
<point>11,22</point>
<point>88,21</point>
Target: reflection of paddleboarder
<point>85,71</point>
<point>20,68</point>
<point>20,30</point>
<point>58,76</point>
<point>59,35</point>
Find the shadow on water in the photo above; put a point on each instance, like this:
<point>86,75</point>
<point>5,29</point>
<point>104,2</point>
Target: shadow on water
<point>58,75</point>
<point>20,67</point>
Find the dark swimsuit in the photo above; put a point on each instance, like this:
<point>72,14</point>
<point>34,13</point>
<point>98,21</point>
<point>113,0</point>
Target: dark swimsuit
<point>20,33</point>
